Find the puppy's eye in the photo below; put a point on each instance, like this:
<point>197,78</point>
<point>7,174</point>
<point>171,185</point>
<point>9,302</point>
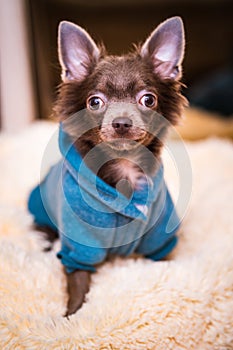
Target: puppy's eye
<point>148,100</point>
<point>95,103</point>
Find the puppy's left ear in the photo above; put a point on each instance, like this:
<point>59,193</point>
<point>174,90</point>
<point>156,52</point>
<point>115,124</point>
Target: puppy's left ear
<point>165,48</point>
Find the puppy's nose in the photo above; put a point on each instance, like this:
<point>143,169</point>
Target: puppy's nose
<point>122,125</point>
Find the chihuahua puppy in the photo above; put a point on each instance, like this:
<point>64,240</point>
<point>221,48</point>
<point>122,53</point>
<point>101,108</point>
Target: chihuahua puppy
<point>107,195</point>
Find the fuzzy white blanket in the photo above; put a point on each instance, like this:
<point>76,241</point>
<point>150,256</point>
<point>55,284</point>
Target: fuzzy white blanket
<point>185,302</point>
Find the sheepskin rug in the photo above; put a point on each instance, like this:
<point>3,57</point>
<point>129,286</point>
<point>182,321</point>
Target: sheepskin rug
<point>183,302</point>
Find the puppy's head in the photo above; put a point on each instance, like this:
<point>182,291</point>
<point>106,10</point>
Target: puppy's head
<point>121,101</point>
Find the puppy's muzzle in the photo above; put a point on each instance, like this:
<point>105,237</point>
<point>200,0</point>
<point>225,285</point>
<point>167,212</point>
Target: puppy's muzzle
<point>122,125</point>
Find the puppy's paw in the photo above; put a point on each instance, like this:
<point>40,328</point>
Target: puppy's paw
<point>78,283</point>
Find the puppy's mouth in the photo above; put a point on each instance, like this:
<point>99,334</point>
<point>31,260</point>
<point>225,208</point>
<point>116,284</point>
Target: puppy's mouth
<point>122,135</point>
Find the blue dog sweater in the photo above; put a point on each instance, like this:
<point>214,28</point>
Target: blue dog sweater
<point>95,220</point>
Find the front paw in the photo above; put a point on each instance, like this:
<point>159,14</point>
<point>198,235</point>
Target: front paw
<point>78,283</point>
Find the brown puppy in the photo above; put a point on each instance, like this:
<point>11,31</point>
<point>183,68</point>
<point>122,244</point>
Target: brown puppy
<point>127,103</point>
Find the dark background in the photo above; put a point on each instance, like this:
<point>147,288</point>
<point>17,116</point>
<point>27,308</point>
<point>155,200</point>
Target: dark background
<point>208,25</point>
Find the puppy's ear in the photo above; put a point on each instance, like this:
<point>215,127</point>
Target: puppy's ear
<point>77,51</point>
<point>165,48</point>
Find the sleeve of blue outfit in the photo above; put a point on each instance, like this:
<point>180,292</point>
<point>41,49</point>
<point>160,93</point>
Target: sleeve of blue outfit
<point>56,203</point>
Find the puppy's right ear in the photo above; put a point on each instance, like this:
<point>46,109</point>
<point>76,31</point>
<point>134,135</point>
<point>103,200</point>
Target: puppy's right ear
<point>165,48</point>
<point>77,52</point>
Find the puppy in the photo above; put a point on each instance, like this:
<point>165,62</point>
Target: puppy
<point>107,195</point>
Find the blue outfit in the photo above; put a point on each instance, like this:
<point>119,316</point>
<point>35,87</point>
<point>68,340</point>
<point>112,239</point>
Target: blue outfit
<point>94,219</point>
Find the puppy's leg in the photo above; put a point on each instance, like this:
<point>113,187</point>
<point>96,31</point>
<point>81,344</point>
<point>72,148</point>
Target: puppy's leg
<point>49,235</point>
<point>78,283</point>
